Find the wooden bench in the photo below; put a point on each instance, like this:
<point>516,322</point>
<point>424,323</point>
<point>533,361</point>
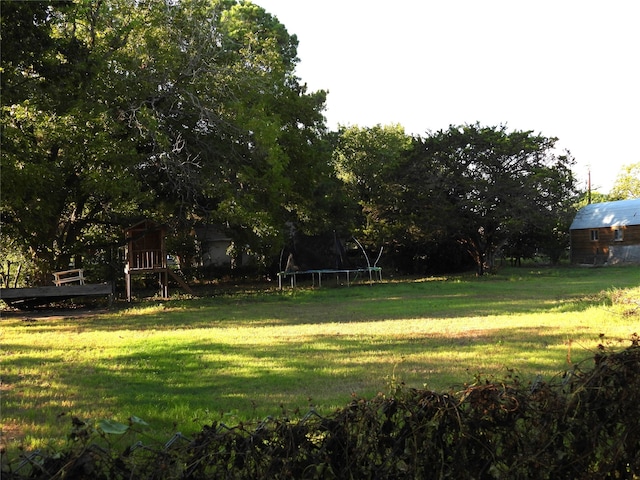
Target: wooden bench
<point>68,276</point>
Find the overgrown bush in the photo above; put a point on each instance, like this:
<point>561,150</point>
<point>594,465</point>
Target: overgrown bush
<point>583,425</point>
<point>626,301</point>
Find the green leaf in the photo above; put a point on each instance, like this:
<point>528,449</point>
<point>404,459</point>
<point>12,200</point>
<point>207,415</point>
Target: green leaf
<point>136,420</point>
<point>113,427</point>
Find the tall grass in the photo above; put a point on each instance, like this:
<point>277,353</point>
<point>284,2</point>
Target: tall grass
<point>182,363</point>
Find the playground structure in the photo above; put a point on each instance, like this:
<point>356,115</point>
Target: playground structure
<point>350,275</point>
<point>292,272</point>
<point>147,254</point>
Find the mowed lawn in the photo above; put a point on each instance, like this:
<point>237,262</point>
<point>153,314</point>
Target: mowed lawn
<point>184,363</point>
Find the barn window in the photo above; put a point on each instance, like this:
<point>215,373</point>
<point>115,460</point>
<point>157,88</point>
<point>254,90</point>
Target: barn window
<point>617,234</point>
<point>594,235</point>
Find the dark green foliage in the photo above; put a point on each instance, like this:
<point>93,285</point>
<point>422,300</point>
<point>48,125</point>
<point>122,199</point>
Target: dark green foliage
<point>469,191</point>
<point>186,112</point>
<point>586,425</point>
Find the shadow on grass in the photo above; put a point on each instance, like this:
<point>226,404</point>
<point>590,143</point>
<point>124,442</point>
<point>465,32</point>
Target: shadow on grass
<point>513,292</point>
<point>278,310</point>
<point>167,384</point>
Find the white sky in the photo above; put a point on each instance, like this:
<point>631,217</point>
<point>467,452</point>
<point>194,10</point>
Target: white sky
<point>563,68</point>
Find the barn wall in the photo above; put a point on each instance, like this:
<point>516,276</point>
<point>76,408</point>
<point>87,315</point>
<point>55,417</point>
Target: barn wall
<point>624,254</point>
<point>606,248</point>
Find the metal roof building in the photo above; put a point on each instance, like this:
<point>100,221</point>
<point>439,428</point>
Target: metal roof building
<point>621,213</point>
<point>607,233</point>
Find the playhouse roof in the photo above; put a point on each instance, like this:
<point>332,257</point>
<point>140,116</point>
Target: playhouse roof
<point>145,226</point>
<point>608,214</point>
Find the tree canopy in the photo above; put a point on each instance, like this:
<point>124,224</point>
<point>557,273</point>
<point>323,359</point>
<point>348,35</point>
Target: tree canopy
<point>187,111</point>
<point>480,187</point>
<point>191,113</point>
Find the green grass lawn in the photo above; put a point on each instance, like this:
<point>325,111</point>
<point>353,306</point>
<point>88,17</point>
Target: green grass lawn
<point>183,363</point>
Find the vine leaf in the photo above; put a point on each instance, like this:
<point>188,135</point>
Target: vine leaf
<point>113,427</point>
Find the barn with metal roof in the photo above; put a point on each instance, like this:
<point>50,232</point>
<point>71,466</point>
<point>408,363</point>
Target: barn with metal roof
<point>607,233</point>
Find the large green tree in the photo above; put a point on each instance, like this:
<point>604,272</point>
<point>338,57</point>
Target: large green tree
<point>366,160</point>
<point>67,158</point>
<point>285,176</point>
<point>480,188</point>
<point>493,185</point>
<point>185,111</point>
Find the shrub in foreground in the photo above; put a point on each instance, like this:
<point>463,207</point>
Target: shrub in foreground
<point>585,425</point>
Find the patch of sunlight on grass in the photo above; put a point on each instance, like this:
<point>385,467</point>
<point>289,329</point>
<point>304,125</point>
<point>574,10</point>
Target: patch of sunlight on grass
<point>432,279</point>
<point>146,310</point>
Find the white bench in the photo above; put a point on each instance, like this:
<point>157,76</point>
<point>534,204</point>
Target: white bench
<point>68,276</point>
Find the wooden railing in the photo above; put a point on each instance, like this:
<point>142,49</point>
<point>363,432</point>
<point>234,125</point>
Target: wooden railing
<point>147,259</point>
